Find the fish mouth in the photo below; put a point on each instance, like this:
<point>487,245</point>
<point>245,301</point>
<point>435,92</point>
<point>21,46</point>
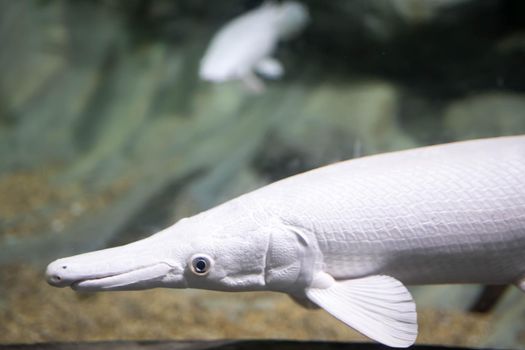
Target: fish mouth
<point>145,277</point>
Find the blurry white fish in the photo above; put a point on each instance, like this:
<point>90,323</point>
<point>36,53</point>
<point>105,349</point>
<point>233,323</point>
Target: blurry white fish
<point>246,44</point>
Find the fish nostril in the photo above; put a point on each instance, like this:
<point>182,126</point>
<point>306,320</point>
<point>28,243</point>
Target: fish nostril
<point>56,278</point>
<point>57,275</point>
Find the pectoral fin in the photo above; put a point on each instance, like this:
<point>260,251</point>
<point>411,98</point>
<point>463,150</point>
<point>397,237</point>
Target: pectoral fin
<point>270,68</point>
<point>379,307</point>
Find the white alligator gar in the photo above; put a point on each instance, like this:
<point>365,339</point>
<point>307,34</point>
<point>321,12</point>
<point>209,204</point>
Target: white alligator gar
<point>246,44</point>
<point>347,237</point>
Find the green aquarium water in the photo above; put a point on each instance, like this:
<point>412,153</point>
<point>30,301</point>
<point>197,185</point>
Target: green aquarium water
<point>107,135</point>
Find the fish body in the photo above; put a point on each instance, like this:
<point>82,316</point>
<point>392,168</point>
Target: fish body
<point>440,214</point>
<point>245,45</point>
<point>348,236</point>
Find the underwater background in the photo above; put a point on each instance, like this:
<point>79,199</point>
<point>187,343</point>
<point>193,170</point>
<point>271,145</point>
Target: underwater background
<point>107,135</point>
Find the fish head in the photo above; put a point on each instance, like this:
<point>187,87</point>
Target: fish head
<point>190,254</point>
<point>291,19</point>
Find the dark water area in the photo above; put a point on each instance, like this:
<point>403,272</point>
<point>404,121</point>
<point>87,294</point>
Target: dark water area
<point>108,135</point>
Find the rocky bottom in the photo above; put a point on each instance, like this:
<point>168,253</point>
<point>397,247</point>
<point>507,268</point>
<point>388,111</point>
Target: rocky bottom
<point>31,311</point>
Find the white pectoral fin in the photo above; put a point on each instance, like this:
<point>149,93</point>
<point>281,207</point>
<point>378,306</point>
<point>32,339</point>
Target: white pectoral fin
<point>379,307</point>
<point>270,68</point>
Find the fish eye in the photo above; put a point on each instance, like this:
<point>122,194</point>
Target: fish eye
<point>200,264</point>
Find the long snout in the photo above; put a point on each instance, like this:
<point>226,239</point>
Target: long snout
<point>56,274</point>
<point>140,265</point>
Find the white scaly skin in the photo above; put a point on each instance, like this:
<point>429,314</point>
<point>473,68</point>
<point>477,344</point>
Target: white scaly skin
<point>451,213</point>
<point>441,214</point>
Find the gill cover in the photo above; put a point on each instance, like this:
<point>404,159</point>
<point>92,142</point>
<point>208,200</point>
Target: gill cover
<point>291,259</point>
